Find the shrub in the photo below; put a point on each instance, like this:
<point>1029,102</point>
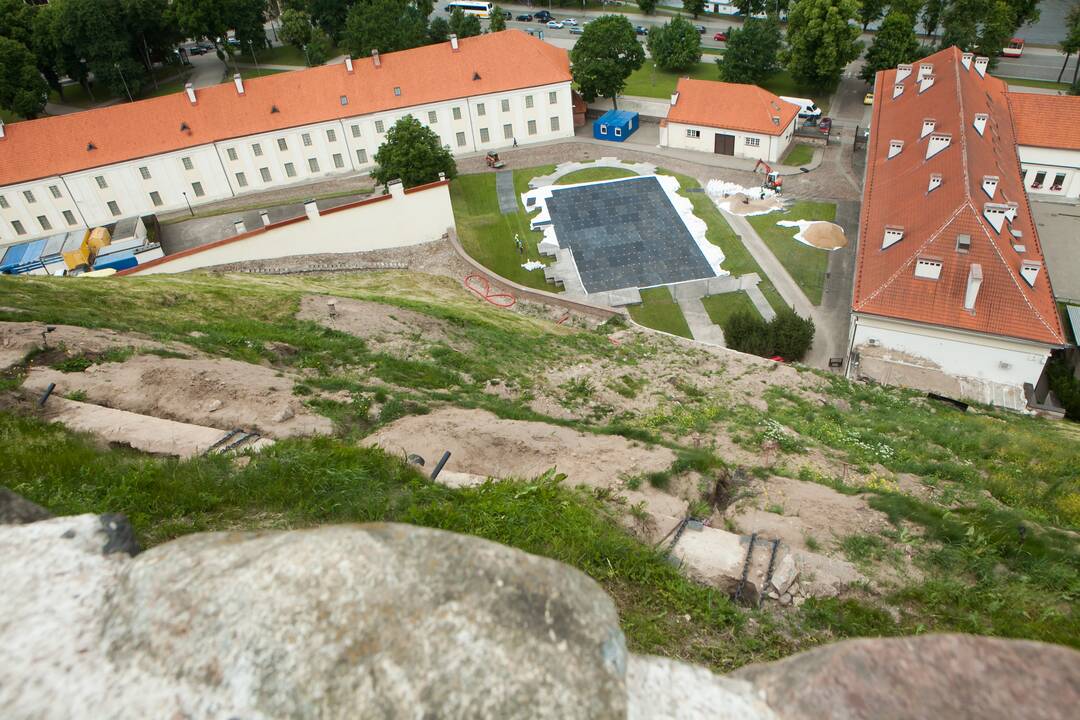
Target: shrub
<point>1065,386</point>
<point>786,335</point>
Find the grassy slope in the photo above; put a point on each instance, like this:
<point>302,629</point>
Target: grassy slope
<point>659,311</point>
<point>800,154</point>
<point>806,264</point>
<point>594,175</point>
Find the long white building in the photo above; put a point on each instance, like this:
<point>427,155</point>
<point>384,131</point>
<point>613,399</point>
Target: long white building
<point>203,146</point>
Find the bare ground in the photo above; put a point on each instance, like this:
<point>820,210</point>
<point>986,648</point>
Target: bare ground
<point>19,339</point>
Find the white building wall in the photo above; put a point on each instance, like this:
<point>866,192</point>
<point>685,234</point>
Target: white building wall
<point>270,155</point>
<point>1053,162</point>
<point>16,208</point>
<point>984,368</point>
<point>769,148</point>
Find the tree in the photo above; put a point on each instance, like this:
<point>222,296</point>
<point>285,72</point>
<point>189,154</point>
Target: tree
<point>604,57</point>
<point>979,26</point>
<point>438,30</point>
<point>821,41</point>
<point>22,89</point>
<point>328,15</point>
<point>931,16</point>
<point>383,25</point>
<point>871,10</point>
<point>498,20</point>
<point>1071,43</point>
<point>295,28</point>
<point>791,335</point>
<point>647,6</point>
<point>213,19</point>
<point>464,25</point>
<point>93,30</point>
<point>752,52</point>
<point>675,46</point>
<point>412,153</point>
<point>694,7</point>
<point>894,43</point>
<point>749,333</point>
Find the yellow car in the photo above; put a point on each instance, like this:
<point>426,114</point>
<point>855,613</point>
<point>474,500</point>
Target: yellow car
<point>868,99</point>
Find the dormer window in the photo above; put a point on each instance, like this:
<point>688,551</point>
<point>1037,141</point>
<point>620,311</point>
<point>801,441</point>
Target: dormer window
<point>925,82</point>
<point>938,142</point>
<point>928,126</point>
<point>995,214</point>
<point>895,146</point>
<point>928,268</point>
<point>893,235</point>
<point>902,71</point>
<point>980,122</point>
<point>897,90</point>
<point>989,185</point>
<point>1029,270</point>
<point>935,182</point>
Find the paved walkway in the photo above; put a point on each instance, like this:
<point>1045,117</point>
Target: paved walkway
<point>563,169</point>
<point>701,325</point>
<point>504,187</point>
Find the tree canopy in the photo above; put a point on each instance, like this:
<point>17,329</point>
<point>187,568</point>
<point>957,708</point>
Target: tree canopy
<point>412,153</point>
<point>752,52</point>
<point>694,7</point>
<point>894,43</point>
<point>22,89</point>
<point>675,45</point>
<point>604,56</point>
<point>979,26</point>
<point>787,335</point>
<point>384,25</point>
<point>498,20</point>
<point>647,6</point>
<point>464,25</point>
<point>822,40</point>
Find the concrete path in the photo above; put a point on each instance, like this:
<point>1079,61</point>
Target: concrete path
<point>566,168</point>
<point>701,325</point>
<point>789,290</point>
<point>504,187</point>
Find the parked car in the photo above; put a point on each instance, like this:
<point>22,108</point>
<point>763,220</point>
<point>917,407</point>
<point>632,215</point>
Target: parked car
<point>641,30</point>
<point>868,99</point>
<point>577,31</point>
<point>570,21</point>
<point>701,29</point>
<point>542,16</point>
<point>720,37</point>
<point>554,24</point>
<point>825,125</point>
<point>525,17</point>
<point>196,50</point>
<point>508,15</point>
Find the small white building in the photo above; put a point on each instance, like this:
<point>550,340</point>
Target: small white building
<point>1048,142</point>
<point>728,119</point>
<point>205,145</point>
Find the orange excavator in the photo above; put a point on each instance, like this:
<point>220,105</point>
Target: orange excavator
<point>773,181</point>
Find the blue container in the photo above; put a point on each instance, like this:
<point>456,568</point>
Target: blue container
<point>13,257</point>
<point>615,125</point>
<point>117,261</point>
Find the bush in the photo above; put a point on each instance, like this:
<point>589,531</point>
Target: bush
<point>1065,386</point>
<point>787,335</point>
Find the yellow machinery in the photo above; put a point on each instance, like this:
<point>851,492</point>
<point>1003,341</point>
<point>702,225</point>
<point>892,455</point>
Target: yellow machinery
<point>84,253</point>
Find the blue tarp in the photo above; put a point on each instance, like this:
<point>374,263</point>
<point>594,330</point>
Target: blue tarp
<point>117,261</point>
<point>13,257</point>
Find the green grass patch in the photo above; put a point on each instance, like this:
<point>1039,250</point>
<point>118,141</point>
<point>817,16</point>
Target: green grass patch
<point>807,265</point>
<point>800,154</point>
<point>594,175</point>
<point>280,55</point>
<point>651,81</point>
<point>721,307</point>
<point>1047,84</point>
<point>659,311</point>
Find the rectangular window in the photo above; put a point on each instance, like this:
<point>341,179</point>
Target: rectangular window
<point>265,173</point>
<point>361,157</point>
<point>256,149</point>
<point>553,97</point>
<point>532,127</point>
<point>461,139</point>
<point>554,124</point>
<point>1059,182</point>
<point>29,195</point>
<point>331,136</point>
<point>155,197</point>
<point>188,165</point>
<point>114,209</point>
<point>282,145</point>
<point>752,141</point>
<point>691,133</point>
<point>339,162</point>
<point>3,203</point>
<point>432,117</point>
<point>290,170</point>
<point>480,109</point>
<point>505,104</point>
<point>356,131</point>
<point>484,137</point>
<point>457,113</point>
<point>18,226</point>
<point>55,191</point>
<point>100,180</point>
<point>528,101</point>
<point>306,139</point>
<point>379,126</point>
<point>196,187</point>
<point>69,217</point>
<point>231,153</point>
<point>241,179</point>
<point>1040,178</point>
<point>313,165</point>
<point>508,131</point>
<point>44,222</point>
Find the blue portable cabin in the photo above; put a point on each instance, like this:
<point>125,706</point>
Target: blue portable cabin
<point>615,125</point>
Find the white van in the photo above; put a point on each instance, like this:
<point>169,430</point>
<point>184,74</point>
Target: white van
<point>807,109</point>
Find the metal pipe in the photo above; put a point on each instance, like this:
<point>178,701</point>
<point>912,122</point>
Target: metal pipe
<point>439,467</point>
<point>48,392</point>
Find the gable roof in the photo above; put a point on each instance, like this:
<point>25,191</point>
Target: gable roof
<point>55,145</point>
<point>730,106</point>
<point>897,194</point>
<point>1048,121</point>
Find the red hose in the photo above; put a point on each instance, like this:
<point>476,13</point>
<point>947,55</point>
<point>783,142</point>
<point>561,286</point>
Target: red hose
<point>480,285</point>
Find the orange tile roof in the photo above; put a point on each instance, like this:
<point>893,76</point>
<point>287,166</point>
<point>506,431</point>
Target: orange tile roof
<point>1048,121</point>
<point>730,106</point>
<point>896,194</point>
<point>490,63</point>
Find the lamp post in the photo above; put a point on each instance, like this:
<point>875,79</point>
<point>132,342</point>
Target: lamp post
<point>306,56</point>
<point>117,66</point>
<point>251,45</point>
<point>184,193</point>
<point>86,74</point>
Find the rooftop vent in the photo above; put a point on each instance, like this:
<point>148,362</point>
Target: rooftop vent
<point>375,58</point>
<point>989,185</point>
<point>476,76</point>
<point>273,109</point>
<point>185,128</point>
<point>344,100</point>
<point>1,129</point>
<point>239,82</point>
<point>348,64</point>
<point>674,98</point>
<point>1029,270</point>
<point>928,126</point>
<point>925,82</point>
<point>90,146</point>
<point>980,122</point>
<point>453,42</point>
<point>980,65</point>
<point>397,91</point>
<point>902,71</point>
<point>190,90</point>
<point>974,282</point>
<point>897,90</point>
<point>893,235</point>
<point>895,146</point>
<point>963,242</point>
<point>776,120</point>
<point>935,182</point>
<point>966,59</point>
<point>937,143</point>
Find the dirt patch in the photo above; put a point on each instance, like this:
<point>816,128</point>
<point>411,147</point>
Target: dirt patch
<point>825,235</point>
<point>386,328</point>
<point>19,339</point>
<point>743,204</point>
<point>219,393</point>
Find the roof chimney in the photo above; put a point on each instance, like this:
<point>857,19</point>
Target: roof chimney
<point>974,281</point>
<point>375,58</point>
<point>902,71</point>
<point>897,90</point>
<point>1,129</point>
<point>895,146</point>
<point>980,122</point>
<point>674,98</point>
<point>938,142</point>
<point>1029,270</point>
<point>989,185</point>
<point>980,65</point>
<point>965,60</point>
<point>935,182</point>
<point>311,209</point>
<point>928,126</point>
<point>190,90</point>
<point>241,228</point>
<point>348,64</point>
<point>453,42</point>
<point>264,216</point>
<point>925,82</point>
<point>239,82</point>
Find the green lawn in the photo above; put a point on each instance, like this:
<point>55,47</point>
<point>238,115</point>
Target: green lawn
<point>651,81</point>
<point>488,235</point>
<point>800,154</point>
<point>1048,84</point>
<point>281,55</point>
<point>721,307</point>
<point>806,264</point>
<point>659,311</point>
<point>249,71</point>
<point>594,175</point>
<point>8,116</point>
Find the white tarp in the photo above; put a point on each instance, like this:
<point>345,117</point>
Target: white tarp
<point>722,194</point>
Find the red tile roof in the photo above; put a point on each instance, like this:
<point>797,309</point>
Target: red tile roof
<point>730,106</point>
<point>1049,121</point>
<point>490,63</point>
<point>896,194</point>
